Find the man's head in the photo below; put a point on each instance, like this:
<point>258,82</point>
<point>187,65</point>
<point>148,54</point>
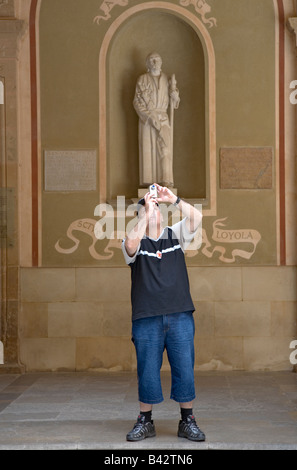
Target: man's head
<point>155,215</point>
<point>141,205</point>
<point>154,63</point>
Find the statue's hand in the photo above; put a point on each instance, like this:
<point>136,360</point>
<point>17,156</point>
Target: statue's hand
<point>154,121</point>
<point>174,95</point>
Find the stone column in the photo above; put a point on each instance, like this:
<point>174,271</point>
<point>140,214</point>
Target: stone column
<point>10,34</point>
<point>292,26</point>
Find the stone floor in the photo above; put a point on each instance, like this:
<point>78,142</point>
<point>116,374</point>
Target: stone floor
<point>236,410</point>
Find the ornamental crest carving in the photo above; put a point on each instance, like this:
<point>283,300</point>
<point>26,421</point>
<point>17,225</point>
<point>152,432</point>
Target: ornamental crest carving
<point>106,7</point>
<point>202,8</point>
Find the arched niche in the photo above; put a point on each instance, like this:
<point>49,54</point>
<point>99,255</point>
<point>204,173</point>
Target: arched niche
<point>179,37</point>
<point>182,54</point>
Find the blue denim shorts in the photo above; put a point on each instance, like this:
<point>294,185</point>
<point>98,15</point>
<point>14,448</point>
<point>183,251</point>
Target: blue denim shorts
<point>151,336</point>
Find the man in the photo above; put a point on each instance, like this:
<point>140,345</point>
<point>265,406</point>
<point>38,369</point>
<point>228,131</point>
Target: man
<point>162,310</point>
<point>152,96</point>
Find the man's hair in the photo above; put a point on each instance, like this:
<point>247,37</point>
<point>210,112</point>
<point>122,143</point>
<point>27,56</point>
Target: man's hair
<point>140,203</point>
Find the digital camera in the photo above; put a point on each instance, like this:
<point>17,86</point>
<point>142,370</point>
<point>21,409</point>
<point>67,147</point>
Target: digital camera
<point>153,190</point>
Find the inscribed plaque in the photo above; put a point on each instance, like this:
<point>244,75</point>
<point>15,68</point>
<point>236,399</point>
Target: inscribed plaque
<point>70,170</point>
<point>246,168</point>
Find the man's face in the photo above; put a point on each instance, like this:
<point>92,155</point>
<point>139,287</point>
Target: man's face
<point>155,64</point>
<point>156,213</point>
<point>155,217</point>
<point>155,221</point>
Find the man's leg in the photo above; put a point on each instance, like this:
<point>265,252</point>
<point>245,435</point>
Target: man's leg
<point>145,407</point>
<point>149,344</point>
<point>187,405</point>
<point>181,355</point>
<point>186,409</point>
<point>146,412</point>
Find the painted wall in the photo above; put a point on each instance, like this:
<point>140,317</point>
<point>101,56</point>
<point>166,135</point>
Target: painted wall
<point>243,39</point>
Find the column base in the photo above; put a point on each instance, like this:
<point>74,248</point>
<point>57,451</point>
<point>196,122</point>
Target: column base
<point>12,368</point>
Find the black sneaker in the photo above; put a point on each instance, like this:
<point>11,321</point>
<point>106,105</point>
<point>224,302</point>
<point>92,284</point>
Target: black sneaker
<point>190,430</point>
<point>141,430</point>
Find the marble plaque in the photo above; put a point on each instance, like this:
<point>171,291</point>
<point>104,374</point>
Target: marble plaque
<point>246,167</point>
<point>6,8</point>
<point>70,170</point>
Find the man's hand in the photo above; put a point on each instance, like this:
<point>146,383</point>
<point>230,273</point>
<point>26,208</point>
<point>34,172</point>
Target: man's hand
<point>149,207</point>
<point>165,194</point>
<point>192,214</point>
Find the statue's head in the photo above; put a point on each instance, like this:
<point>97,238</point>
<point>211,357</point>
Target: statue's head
<point>154,63</point>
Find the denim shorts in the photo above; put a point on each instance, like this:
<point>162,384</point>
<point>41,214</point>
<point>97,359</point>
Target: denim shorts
<point>151,336</point>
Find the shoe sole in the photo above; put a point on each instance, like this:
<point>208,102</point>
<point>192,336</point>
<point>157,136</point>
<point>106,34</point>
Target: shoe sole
<point>140,438</point>
<point>198,439</point>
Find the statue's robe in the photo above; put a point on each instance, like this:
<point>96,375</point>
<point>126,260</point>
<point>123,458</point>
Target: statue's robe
<point>155,146</point>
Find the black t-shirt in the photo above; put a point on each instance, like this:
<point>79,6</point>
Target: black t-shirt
<point>160,283</point>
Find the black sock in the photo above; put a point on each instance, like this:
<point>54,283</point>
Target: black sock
<point>185,412</point>
<point>147,416</point>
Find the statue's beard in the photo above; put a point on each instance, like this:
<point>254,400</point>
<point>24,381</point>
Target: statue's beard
<point>155,71</point>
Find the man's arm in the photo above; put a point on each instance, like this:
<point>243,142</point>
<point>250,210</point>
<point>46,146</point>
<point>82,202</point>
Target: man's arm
<point>193,215</point>
<point>135,236</point>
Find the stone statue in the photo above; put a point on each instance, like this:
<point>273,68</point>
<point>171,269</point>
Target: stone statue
<point>154,94</point>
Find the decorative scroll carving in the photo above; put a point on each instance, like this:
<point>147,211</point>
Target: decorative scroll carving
<point>106,8</point>
<point>230,245</point>
<point>292,26</point>
<point>202,8</point>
